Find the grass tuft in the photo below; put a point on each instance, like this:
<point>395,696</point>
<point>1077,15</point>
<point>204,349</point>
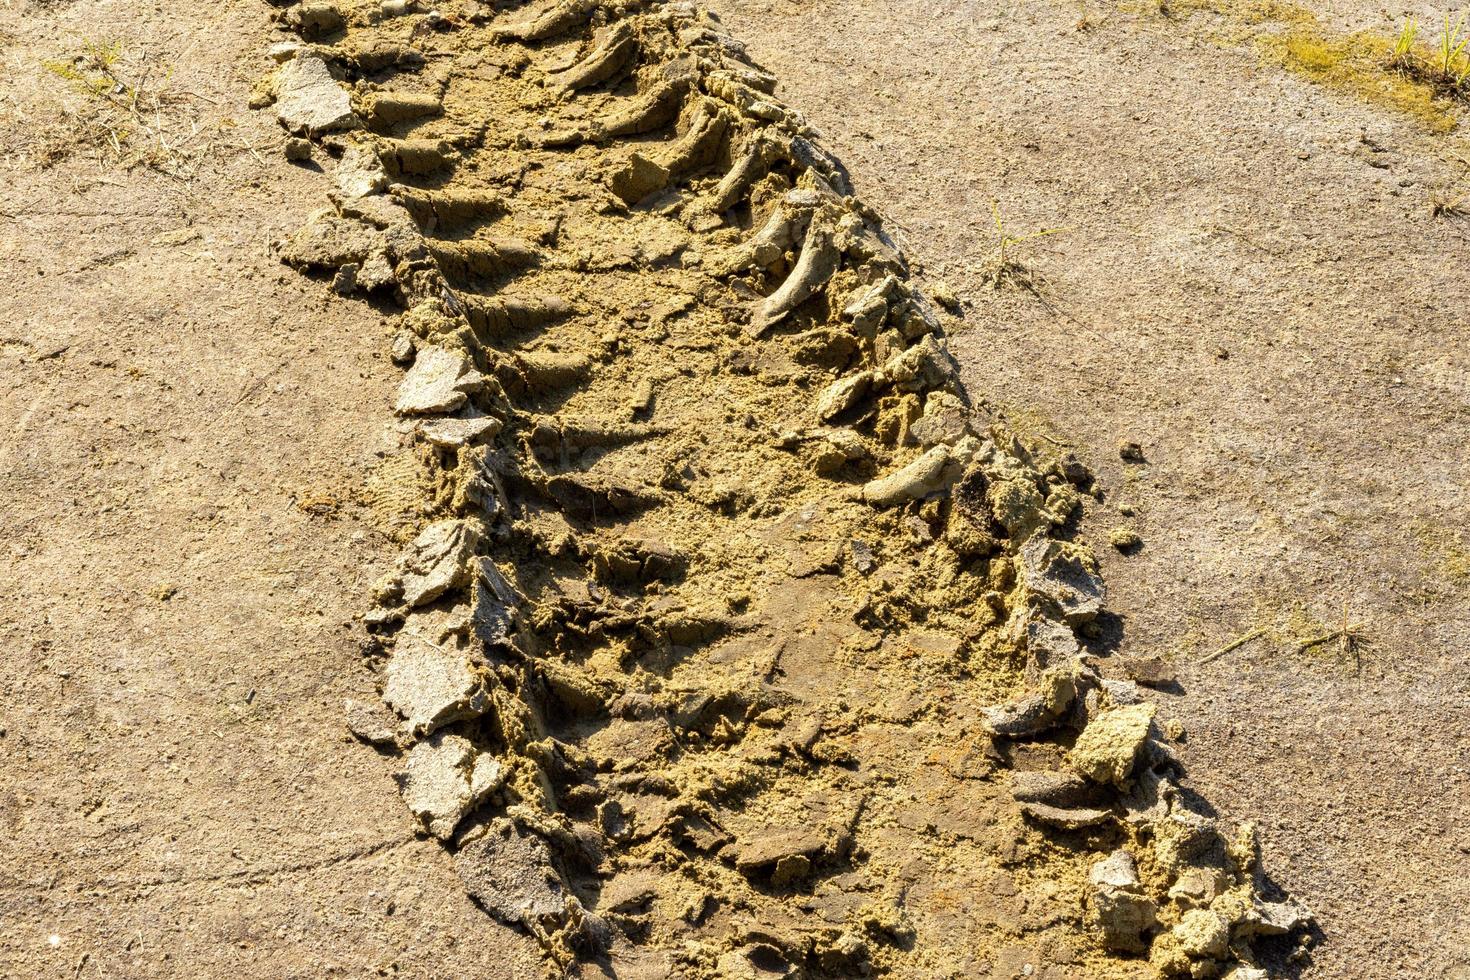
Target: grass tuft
<point>1003,268</point>
<point>1445,67</point>
<point>130,115</point>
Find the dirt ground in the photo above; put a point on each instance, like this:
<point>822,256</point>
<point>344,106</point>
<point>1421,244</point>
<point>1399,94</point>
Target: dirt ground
<point>1249,284</point>
<point>186,424</point>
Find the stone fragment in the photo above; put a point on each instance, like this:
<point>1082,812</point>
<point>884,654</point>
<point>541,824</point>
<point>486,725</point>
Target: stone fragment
<point>1122,692</point>
<point>438,382</point>
<point>329,242</point>
<point>1120,909</point>
<point>344,283</point>
<point>945,420</point>
<point>509,871</point>
<point>454,433</point>
<point>1036,711</point>
<point>1151,671</point>
<point>283,51</point>
<point>923,366</point>
<point>403,347</point>
<point>1061,577</point>
<point>1107,748</point>
<point>371,721</point>
<point>431,685</point>
<point>868,309</point>
<point>493,604</point>
<point>309,100</point>
<point>843,394</point>
<point>1272,918</point>
<point>376,272</point>
<point>1066,818</point>
<point>359,173</point>
<point>437,561</point>
<point>1049,643</point>
<point>445,778</point>
<point>769,851</point>
<point>1193,947</point>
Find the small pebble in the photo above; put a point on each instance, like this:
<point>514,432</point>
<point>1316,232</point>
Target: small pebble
<point>1125,539</point>
<point>284,51</point>
<point>1131,452</point>
<point>945,297</point>
<point>297,150</point>
<point>403,347</point>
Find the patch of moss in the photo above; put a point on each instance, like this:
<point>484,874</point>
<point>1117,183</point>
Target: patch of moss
<point>1446,549</point>
<point>1358,63</point>
<point>1361,63</point>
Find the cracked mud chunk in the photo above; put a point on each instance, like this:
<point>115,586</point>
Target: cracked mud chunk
<point>445,778</point>
<point>509,871</point>
<point>431,685</point>
<point>439,381</point>
<point>309,100</point>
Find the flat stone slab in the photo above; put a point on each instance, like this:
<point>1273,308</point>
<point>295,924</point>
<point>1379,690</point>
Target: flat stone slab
<point>438,382</point>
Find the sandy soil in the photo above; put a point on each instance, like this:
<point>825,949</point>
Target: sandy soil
<point>1251,285</point>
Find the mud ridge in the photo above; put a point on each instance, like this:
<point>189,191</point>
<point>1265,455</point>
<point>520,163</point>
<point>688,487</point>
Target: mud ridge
<point>732,638</point>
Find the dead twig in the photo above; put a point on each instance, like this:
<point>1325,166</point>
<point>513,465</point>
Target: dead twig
<point>1347,634</point>
<point>1234,644</point>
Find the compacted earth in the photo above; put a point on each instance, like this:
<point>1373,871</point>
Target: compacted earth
<point>1201,274</point>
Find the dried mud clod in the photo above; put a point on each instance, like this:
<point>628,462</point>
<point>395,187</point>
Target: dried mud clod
<point>727,613</point>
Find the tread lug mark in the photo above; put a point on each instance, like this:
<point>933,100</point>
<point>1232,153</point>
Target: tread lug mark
<point>608,58</point>
<point>386,109</point>
<point>557,18</point>
<point>415,157</point>
<point>702,143</point>
<point>501,318</point>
